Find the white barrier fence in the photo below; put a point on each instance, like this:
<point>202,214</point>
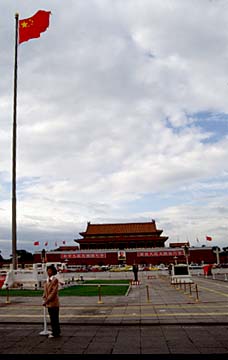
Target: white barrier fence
<point>34,278</point>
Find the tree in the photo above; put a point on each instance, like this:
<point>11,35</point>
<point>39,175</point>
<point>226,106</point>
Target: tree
<point>24,256</point>
<point>1,258</point>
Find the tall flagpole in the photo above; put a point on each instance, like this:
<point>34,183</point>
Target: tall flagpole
<point>14,198</point>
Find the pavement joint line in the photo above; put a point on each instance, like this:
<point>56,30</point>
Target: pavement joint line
<point>193,305</point>
<point>118,315</point>
<point>214,283</point>
<point>125,323</point>
<point>89,307</point>
<point>214,291</point>
<point>16,303</point>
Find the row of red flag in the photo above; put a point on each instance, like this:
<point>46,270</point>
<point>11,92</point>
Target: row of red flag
<point>37,243</point>
<point>208,238</point>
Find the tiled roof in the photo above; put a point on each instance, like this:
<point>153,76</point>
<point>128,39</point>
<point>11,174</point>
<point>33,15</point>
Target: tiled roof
<point>179,244</point>
<point>120,228</point>
<point>68,248</point>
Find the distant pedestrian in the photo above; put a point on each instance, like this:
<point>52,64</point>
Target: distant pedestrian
<point>135,270</point>
<point>51,300</point>
<point>170,269</point>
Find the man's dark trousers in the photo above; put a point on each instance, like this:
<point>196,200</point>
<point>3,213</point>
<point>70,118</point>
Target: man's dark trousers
<point>54,317</point>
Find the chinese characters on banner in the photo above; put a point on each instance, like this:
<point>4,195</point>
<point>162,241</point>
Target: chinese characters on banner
<point>84,256</point>
<point>122,254</point>
<point>161,253</point>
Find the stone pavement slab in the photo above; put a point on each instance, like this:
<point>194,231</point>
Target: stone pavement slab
<point>117,339</point>
<point>170,321</point>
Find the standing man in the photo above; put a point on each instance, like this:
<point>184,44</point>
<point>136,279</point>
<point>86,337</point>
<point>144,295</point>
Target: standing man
<point>51,300</point>
<point>135,270</point>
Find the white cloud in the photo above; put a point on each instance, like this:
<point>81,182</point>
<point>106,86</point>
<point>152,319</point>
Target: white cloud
<point>106,99</point>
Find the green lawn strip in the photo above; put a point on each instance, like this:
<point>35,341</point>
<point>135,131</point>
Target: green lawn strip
<point>93,290</point>
<point>76,290</point>
<point>109,281</point>
<point>19,292</point>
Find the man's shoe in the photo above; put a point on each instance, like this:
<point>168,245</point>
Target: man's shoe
<point>50,336</point>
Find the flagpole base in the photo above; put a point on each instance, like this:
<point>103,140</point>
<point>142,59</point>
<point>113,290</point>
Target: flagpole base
<point>45,332</point>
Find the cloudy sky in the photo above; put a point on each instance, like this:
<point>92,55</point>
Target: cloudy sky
<point>122,117</point>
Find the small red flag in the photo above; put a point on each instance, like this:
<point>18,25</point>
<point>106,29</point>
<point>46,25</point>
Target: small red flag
<point>36,243</point>
<point>32,27</point>
<point>64,242</point>
<point>208,238</point>
<point>46,244</point>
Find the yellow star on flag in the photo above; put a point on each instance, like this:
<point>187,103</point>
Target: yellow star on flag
<point>24,24</point>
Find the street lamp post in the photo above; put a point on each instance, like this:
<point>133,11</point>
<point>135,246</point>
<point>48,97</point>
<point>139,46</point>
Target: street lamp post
<point>217,251</point>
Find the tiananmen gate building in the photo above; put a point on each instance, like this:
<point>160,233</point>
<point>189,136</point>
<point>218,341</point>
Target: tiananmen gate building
<point>125,243</point>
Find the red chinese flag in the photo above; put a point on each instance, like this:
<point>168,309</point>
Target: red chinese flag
<point>36,243</point>
<point>208,238</point>
<point>32,27</point>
